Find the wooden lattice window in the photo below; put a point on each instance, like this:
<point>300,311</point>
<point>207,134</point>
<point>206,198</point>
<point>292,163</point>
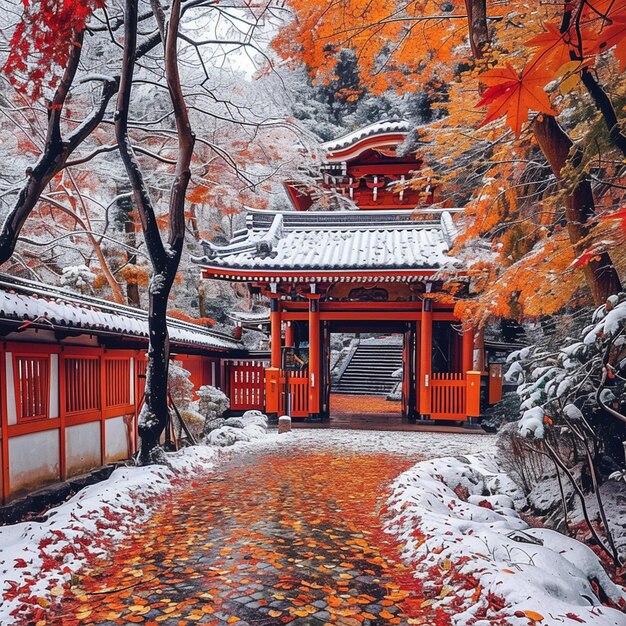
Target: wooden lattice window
<point>32,385</point>
<point>82,384</point>
<point>117,373</point>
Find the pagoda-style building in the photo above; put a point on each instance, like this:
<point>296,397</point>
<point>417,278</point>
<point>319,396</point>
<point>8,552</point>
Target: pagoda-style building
<point>375,269</point>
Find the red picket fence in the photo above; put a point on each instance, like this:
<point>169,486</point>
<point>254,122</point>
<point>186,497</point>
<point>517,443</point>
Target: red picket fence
<point>299,389</point>
<point>246,385</point>
<point>448,396</point>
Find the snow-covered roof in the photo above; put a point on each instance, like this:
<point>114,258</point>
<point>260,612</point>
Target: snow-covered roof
<point>378,128</point>
<point>24,300</point>
<point>260,316</point>
<point>335,242</point>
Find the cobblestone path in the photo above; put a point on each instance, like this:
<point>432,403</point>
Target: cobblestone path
<point>289,537</point>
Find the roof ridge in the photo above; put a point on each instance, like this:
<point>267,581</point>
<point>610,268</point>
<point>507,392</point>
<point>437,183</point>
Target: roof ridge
<point>382,127</point>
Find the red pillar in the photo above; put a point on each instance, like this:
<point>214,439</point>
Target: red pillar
<point>314,354</point>
<point>426,357</point>
<point>275,330</point>
<point>289,335</point>
<point>467,359</point>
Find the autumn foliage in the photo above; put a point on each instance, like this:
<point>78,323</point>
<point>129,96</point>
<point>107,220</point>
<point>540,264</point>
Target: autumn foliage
<point>559,60</point>
<point>42,40</point>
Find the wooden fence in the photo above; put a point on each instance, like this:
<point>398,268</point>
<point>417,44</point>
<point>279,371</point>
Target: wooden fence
<point>299,390</point>
<point>448,396</point>
<point>246,385</point>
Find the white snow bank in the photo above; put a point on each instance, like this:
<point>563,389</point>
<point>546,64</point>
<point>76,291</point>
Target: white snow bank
<point>511,572</point>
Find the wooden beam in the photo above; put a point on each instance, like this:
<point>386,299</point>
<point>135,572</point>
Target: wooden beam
<point>373,316</point>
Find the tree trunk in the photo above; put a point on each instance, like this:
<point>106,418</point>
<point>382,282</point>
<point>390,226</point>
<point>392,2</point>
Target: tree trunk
<point>153,416</point>
<point>132,287</point>
<point>600,274</point>
<point>164,258</point>
<point>478,28</point>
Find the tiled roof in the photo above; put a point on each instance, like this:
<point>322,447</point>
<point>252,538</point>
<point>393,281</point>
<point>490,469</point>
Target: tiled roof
<point>336,241</point>
<point>378,128</point>
<point>24,300</point>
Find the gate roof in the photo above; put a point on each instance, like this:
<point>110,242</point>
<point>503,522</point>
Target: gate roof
<point>398,245</point>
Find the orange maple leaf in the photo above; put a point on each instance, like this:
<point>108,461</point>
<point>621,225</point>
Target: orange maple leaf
<point>553,47</point>
<point>514,94</point>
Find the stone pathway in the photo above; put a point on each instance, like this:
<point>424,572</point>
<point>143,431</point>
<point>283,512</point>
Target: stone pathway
<point>282,537</point>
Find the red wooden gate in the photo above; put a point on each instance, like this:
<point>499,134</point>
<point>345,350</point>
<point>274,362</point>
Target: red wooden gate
<point>246,385</point>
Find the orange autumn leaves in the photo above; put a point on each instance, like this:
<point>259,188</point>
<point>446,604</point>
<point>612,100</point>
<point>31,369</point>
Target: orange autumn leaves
<point>560,53</point>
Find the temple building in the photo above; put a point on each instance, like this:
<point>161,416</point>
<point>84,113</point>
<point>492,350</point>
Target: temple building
<point>374,267</point>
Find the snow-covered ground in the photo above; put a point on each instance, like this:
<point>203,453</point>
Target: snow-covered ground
<point>456,521</point>
<point>449,541</point>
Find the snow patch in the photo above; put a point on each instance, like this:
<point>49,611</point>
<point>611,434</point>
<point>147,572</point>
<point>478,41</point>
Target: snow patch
<point>484,540</point>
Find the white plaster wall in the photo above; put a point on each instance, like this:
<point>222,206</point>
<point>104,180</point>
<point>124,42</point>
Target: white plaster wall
<point>54,385</point>
<point>82,448</point>
<point>116,439</point>
<point>11,409</point>
<point>33,460</point>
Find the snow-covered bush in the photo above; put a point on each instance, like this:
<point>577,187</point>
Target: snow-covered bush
<point>181,389</point>
<point>212,404</point>
<point>250,426</point>
<point>78,278</point>
<point>573,405</point>
<point>179,385</point>
<point>580,382</point>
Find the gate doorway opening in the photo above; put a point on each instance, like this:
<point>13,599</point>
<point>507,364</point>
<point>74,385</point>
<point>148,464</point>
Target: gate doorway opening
<point>367,375</point>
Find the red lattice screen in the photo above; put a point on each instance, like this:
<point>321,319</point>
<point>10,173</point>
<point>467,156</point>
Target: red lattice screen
<point>117,382</point>
<point>32,383</point>
<point>82,384</point>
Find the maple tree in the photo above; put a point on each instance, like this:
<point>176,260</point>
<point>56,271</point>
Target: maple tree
<point>75,71</point>
<point>538,191</point>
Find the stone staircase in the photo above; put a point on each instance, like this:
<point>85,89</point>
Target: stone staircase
<point>369,372</point>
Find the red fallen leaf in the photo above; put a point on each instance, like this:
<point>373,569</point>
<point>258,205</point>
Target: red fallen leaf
<point>576,618</point>
<point>21,563</point>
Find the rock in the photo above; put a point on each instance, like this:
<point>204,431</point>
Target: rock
<point>224,436</point>
<point>213,424</point>
<point>284,424</point>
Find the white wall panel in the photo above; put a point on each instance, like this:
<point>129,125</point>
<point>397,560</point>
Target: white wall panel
<point>82,448</point>
<point>33,460</point>
<point>116,439</point>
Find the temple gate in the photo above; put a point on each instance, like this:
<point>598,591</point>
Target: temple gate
<point>379,266</point>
